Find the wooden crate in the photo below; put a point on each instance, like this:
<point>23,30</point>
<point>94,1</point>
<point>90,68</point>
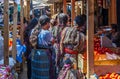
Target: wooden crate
<point>107,62</point>
<point>104,69</point>
<point>85,66</point>
<point>107,66</point>
<point>104,66</point>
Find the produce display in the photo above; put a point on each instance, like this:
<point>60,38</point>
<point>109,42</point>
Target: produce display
<point>110,76</point>
<point>103,53</point>
<point>5,72</point>
<point>99,49</point>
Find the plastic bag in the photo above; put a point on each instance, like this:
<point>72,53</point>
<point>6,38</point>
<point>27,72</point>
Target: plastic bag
<point>20,50</point>
<point>12,62</point>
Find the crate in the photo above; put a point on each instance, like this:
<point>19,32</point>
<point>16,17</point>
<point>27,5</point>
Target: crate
<point>107,66</point>
<point>104,69</point>
<point>104,66</point>
<point>107,62</point>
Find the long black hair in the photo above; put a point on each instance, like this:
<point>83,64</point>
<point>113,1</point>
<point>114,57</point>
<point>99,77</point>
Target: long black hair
<point>63,19</point>
<point>79,20</point>
<point>30,26</point>
<point>43,20</point>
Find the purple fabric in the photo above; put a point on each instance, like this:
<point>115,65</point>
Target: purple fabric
<point>65,70</point>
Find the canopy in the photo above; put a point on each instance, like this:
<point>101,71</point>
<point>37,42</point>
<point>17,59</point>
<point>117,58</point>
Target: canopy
<point>10,1</point>
<point>40,3</point>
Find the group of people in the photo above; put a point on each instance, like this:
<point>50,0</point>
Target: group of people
<point>112,33</point>
<point>53,46</point>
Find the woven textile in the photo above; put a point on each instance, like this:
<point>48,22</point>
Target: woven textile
<point>40,64</point>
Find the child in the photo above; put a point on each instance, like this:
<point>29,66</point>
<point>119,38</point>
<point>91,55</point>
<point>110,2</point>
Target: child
<point>68,72</point>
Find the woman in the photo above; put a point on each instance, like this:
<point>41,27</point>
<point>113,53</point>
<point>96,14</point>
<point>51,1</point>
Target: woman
<point>27,33</point>
<point>68,72</point>
<point>114,35</point>
<point>72,41</point>
<point>42,54</point>
<point>62,20</point>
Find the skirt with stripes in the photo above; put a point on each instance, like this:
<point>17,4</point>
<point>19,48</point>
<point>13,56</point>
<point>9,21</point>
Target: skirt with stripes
<point>41,64</point>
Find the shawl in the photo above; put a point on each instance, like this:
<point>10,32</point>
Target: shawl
<point>71,36</point>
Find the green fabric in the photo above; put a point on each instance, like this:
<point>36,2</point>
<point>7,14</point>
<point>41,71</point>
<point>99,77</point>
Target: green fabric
<point>19,8</point>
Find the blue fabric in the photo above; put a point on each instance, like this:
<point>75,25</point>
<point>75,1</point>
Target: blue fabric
<point>44,38</point>
<point>20,50</point>
<point>42,58</point>
<point>40,64</point>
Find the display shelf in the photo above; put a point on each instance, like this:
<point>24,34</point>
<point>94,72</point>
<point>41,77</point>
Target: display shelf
<point>104,69</point>
<point>107,66</point>
<point>107,62</point>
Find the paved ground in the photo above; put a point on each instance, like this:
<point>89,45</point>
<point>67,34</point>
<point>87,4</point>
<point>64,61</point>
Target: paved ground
<point>23,75</point>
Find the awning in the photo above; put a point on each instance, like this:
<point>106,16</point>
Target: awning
<point>38,3</point>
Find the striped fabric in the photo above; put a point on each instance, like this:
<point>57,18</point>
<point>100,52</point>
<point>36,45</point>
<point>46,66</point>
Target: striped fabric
<point>40,64</point>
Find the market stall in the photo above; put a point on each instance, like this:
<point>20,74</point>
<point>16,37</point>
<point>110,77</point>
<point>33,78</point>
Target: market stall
<point>106,57</point>
<point>5,72</point>
<point>13,48</point>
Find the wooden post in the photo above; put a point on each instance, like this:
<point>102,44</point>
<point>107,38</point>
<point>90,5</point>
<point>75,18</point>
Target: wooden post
<point>72,11</point>
<point>90,38</point>
<point>21,19</point>
<point>28,10</point>
<point>64,6</point>
<point>84,9</point>
<point>55,9</point>
<point>51,8</point>
<point>112,13</point>
<point>77,9</point>
<point>14,51</point>
<point>60,5</point>
<point>25,9</point>
<point>6,32</point>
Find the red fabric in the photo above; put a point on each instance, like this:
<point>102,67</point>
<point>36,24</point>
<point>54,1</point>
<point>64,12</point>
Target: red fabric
<point>69,51</point>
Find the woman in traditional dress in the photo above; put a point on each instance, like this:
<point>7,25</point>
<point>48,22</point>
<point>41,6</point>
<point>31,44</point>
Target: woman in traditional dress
<point>27,33</point>
<point>68,72</point>
<point>62,20</point>
<point>72,41</point>
<point>42,61</point>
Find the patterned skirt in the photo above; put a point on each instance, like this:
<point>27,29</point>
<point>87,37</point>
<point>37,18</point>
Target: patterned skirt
<point>41,64</point>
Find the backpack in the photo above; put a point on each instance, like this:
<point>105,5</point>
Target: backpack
<point>71,36</point>
<point>34,35</point>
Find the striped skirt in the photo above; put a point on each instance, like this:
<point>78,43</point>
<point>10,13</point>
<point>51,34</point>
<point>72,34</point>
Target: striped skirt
<point>41,64</point>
